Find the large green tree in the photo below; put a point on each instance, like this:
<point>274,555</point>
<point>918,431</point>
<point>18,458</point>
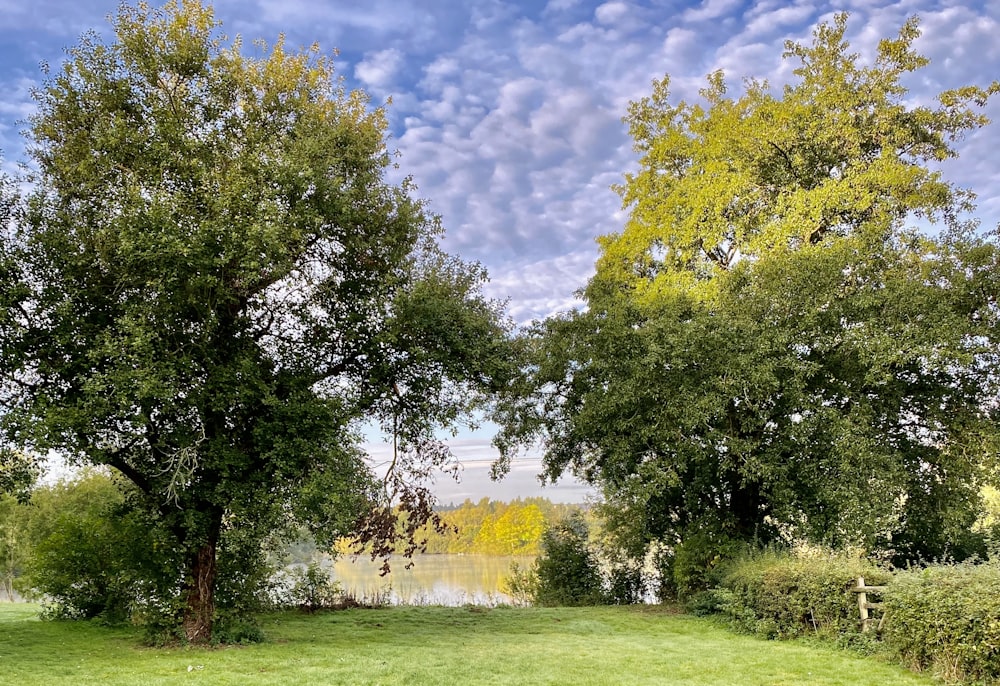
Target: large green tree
<point>769,348</point>
<point>18,470</point>
<point>213,283</point>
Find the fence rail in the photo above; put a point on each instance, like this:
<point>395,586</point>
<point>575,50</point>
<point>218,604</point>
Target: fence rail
<point>864,605</point>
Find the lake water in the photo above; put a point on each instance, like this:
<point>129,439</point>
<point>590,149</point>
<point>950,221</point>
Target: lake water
<point>433,579</point>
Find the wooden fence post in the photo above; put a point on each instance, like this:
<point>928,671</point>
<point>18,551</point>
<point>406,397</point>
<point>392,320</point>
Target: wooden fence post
<point>863,603</point>
<point>864,606</point>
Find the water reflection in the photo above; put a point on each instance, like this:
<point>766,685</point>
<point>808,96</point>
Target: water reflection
<point>432,580</point>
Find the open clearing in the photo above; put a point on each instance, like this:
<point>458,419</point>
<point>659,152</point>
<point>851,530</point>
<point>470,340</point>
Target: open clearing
<point>436,645</point>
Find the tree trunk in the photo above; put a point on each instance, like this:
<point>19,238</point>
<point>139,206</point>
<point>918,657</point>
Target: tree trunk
<point>200,592</point>
<point>746,508</point>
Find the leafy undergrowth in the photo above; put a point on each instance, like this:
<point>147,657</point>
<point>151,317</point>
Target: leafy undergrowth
<point>436,645</point>
<point>946,618</point>
<point>783,595</point>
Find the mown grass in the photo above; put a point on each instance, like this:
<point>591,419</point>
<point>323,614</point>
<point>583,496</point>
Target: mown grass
<point>436,645</point>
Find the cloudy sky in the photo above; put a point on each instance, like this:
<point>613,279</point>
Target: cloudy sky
<point>507,114</point>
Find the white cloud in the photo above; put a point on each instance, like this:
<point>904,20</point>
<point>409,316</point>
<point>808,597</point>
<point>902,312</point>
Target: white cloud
<point>15,109</point>
<point>378,69</point>
<point>611,13</point>
<point>681,45</point>
<point>554,6</point>
<point>710,9</point>
<point>475,456</point>
<point>769,23</point>
<point>440,72</point>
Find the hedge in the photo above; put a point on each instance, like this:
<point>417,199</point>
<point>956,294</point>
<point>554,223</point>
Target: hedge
<point>946,618</point>
<point>783,595</point>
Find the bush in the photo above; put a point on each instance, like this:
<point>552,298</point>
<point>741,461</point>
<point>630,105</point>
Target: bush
<point>626,583</point>
<point>705,603</point>
<point>94,555</point>
<point>246,573</point>
<point>237,631</point>
<point>568,572</point>
<point>521,584</point>
<point>782,594</point>
<point>946,618</point>
<point>311,588</point>
<point>697,561</point>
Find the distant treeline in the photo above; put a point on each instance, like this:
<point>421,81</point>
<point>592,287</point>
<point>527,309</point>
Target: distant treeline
<point>491,527</point>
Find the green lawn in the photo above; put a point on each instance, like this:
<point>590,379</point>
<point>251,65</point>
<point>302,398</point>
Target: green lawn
<point>432,645</point>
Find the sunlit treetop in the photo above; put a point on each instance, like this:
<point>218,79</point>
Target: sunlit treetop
<point>838,152</point>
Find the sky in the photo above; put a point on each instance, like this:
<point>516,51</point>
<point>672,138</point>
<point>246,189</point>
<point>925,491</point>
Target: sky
<point>507,114</point>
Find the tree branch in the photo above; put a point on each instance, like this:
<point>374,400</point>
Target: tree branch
<point>788,160</point>
<point>132,474</point>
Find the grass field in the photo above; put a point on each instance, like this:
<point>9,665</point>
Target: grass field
<point>434,645</point>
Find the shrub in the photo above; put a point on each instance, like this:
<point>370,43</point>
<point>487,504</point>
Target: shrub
<point>312,588</point>
<point>705,603</point>
<point>697,561</point>
<point>246,574</point>
<point>237,631</point>
<point>568,572</point>
<point>521,584</point>
<point>94,555</point>
<point>626,582</point>
<point>946,618</point>
<point>784,594</point>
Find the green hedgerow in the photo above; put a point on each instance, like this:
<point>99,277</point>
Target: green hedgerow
<point>785,594</point>
<point>946,618</point>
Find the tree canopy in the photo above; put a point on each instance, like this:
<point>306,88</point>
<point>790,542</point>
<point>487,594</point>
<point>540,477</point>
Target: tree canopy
<point>770,348</point>
<point>840,153</point>
<point>212,283</point>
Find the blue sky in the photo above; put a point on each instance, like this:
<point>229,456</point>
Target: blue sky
<point>508,114</point>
